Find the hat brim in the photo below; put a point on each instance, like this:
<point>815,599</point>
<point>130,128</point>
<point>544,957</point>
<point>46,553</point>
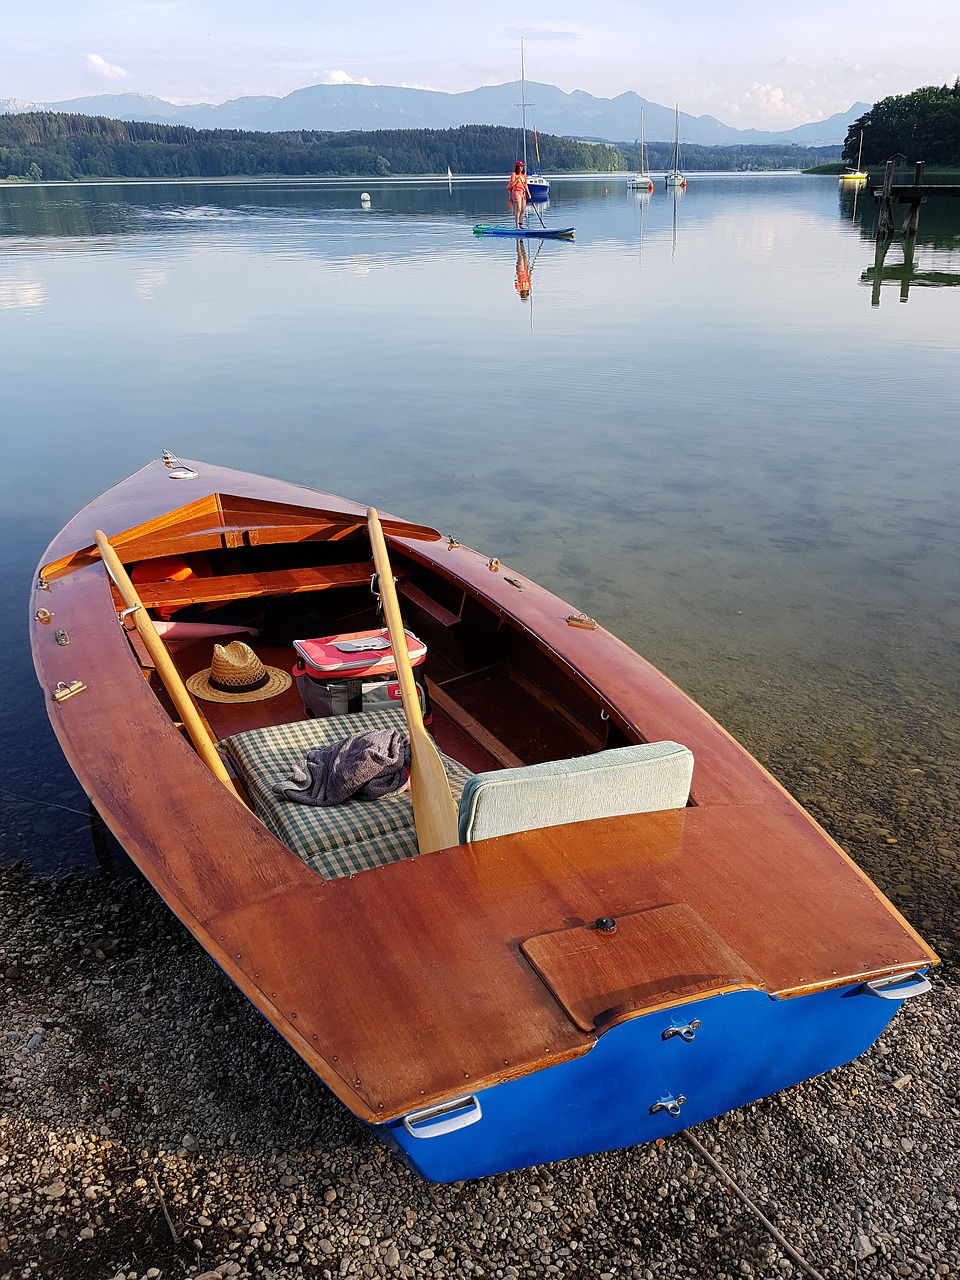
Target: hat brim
<point>199,685</point>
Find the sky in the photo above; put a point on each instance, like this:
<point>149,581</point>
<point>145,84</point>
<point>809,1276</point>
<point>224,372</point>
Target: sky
<point>749,63</point>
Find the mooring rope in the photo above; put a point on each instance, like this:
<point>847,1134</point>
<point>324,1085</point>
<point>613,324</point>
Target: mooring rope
<point>742,1195</point>
<point>49,804</point>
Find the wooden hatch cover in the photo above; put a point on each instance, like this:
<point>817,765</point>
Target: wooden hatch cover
<point>604,972</point>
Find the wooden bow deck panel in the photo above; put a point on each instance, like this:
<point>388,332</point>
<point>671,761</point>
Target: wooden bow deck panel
<point>408,983</point>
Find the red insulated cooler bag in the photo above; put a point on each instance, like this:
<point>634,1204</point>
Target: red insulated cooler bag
<point>337,675</point>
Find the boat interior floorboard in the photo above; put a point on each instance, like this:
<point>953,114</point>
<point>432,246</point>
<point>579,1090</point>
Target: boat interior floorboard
<point>224,719</point>
<point>531,729</point>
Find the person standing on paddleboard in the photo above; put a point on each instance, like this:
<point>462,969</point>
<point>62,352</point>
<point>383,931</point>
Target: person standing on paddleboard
<point>519,192</point>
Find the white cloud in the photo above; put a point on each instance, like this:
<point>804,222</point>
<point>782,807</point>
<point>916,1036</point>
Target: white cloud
<point>766,106</point>
<point>770,98</point>
<point>106,69</point>
<point>339,77</point>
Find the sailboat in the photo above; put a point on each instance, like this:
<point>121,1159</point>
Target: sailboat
<point>641,180</point>
<point>856,175</point>
<point>537,184</point>
<point>674,177</point>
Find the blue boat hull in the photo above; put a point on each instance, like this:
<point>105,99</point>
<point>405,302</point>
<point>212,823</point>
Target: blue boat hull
<point>534,233</point>
<point>636,1084</point>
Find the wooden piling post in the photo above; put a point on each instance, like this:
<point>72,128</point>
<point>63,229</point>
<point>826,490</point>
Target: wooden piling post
<point>884,211</point>
<point>880,252</point>
<point>912,219</point>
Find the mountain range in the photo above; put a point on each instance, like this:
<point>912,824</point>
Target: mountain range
<point>367,107</point>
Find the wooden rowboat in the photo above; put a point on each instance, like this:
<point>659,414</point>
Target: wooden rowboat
<point>601,955</point>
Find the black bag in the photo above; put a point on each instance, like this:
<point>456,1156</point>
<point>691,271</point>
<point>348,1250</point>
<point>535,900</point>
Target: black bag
<point>343,696</point>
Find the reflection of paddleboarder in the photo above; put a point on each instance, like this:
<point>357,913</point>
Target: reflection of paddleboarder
<point>523,271</point>
<point>519,192</point>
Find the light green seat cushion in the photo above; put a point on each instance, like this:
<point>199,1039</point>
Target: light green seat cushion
<point>342,839</point>
<point>635,779</point>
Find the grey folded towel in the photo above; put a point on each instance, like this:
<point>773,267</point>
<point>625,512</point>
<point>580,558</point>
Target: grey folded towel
<point>365,767</point>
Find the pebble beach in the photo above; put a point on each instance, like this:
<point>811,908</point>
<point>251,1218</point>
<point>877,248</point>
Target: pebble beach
<point>153,1125</point>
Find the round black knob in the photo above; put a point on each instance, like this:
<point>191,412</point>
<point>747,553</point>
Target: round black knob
<point>607,924</point>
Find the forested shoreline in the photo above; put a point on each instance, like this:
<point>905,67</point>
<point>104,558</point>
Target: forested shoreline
<point>55,146</point>
<point>75,147</point>
<point>923,125</point>
<point>741,158</point>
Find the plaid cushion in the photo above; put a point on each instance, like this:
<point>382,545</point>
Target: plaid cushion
<point>342,839</point>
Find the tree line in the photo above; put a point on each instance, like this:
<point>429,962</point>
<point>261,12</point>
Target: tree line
<point>923,125</point>
<point>67,147</point>
<point>737,157</point>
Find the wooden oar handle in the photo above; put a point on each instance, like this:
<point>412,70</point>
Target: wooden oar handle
<point>434,808</point>
<point>395,628</point>
<point>164,663</point>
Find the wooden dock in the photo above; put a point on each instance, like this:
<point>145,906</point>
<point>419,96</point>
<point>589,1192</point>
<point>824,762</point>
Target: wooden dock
<point>912,194</point>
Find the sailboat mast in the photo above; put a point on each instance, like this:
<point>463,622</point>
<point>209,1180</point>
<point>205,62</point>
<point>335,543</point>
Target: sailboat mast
<point>523,107</point>
<point>676,143</point>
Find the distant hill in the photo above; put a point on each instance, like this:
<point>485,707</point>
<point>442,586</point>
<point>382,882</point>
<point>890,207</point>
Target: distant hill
<point>377,107</point>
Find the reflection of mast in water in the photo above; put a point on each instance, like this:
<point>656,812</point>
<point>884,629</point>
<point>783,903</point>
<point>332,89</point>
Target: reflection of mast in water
<point>640,241</point>
<point>677,195</point>
<point>853,188</point>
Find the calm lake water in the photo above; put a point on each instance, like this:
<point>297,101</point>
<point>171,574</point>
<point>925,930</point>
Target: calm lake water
<point>705,426</point>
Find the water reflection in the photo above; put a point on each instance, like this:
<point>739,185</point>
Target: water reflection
<point>23,293</point>
<point>851,200</point>
<point>906,273</point>
<point>148,281</point>
<point>929,254</point>
<point>523,282</point>
<point>677,193</point>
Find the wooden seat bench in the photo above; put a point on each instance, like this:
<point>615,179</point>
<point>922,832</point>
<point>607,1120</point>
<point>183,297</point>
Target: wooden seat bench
<point>239,586</point>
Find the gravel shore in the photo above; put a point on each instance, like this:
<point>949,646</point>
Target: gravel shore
<point>153,1125</point>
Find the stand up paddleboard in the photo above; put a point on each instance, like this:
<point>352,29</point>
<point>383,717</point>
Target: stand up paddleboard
<point>533,233</point>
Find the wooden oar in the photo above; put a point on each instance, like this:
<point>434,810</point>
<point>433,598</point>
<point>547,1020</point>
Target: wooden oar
<point>164,663</point>
<point>434,808</point>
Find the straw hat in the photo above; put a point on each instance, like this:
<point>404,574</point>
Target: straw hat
<point>236,674</point>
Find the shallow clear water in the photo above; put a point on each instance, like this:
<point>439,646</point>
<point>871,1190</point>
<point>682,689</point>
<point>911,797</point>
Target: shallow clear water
<point>704,426</point>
